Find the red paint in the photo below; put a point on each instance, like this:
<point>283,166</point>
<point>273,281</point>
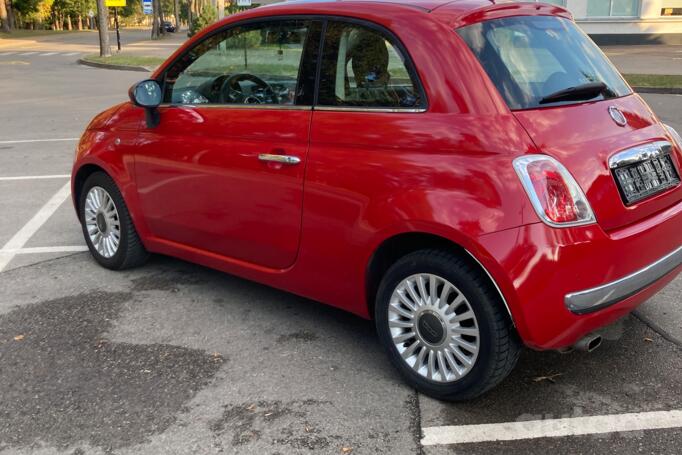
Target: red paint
<point>196,190</point>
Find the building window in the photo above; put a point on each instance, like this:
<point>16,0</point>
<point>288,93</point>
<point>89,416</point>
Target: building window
<point>671,8</point>
<point>612,8</point>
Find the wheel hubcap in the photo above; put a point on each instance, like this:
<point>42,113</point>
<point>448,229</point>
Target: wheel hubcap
<point>102,222</point>
<point>433,327</point>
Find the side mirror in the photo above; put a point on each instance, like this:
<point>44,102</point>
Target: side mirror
<point>147,94</point>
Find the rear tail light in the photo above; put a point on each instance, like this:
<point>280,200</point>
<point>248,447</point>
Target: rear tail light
<point>554,193</point>
<point>675,135</point>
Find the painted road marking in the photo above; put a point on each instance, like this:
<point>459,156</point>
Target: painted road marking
<point>49,249</point>
<point>71,53</point>
<point>551,428</point>
<point>28,53</point>
<point>48,54</point>
<point>27,141</point>
<point>35,177</point>
<point>7,53</point>
<point>25,233</point>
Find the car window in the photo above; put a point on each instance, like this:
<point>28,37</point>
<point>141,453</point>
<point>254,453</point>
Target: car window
<point>362,67</point>
<point>252,64</point>
<point>532,58</point>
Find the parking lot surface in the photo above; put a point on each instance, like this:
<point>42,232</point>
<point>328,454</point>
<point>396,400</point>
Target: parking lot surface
<point>174,358</point>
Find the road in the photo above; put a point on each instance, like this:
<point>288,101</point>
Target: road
<point>174,358</point>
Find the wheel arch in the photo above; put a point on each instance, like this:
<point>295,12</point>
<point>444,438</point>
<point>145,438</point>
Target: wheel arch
<point>79,179</point>
<point>399,245</point>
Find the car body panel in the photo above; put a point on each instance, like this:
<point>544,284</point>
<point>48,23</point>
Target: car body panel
<point>583,137</point>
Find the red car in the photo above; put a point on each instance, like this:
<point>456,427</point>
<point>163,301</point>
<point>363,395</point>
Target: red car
<point>474,175</point>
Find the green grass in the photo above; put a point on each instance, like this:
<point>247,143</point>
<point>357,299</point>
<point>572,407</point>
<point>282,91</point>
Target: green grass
<point>654,80</point>
<point>128,60</point>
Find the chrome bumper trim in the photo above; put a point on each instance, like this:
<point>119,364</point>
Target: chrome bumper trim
<point>595,299</point>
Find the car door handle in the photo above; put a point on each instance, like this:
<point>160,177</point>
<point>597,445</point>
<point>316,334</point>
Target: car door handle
<point>283,159</point>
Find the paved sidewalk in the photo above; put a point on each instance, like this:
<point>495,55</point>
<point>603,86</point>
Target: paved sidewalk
<point>646,59</point>
<point>133,41</point>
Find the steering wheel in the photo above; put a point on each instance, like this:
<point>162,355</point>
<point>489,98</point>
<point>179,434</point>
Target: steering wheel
<point>231,91</point>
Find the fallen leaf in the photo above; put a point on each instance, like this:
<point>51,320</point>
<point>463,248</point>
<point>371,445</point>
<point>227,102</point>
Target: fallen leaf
<point>648,340</point>
<point>346,449</point>
<point>307,429</point>
<point>252,407</point>
<point>549,378</point>
<point>267,414</point>
<point>18,338</point>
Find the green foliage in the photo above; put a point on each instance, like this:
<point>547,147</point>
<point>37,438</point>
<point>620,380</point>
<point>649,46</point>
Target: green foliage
<point>247,40</point>
<point>208,16</point>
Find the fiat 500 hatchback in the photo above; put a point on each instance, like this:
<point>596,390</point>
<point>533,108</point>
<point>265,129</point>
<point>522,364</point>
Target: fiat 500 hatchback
<point>473,176</point>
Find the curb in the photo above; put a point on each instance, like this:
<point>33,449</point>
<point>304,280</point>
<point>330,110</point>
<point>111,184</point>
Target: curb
<point>659,90</point>
<point>110,66</point>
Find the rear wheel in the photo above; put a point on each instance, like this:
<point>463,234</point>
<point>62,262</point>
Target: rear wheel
<point>443,327</point>
<point>108,230</point>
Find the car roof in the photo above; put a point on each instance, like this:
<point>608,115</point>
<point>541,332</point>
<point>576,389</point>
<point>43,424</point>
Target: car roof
<point>452,12</point>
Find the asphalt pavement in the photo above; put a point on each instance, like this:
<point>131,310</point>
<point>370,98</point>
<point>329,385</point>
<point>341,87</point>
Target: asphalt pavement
<point>173,358</point>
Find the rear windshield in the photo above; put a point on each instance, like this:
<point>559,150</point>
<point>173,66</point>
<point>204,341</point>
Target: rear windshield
<point>532,59</point>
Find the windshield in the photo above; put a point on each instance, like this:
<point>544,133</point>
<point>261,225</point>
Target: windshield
<point>531,59</point>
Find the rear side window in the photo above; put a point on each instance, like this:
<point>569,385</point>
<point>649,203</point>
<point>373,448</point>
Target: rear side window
<point>363,67</point>
<point>532,59</point>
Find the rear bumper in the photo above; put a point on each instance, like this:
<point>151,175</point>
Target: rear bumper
<point>598,298</point>
<point>561,284</point>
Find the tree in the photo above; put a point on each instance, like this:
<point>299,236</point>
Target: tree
<point>4,17</point>
<point>207,17</point>
<point>103,22</point>
<point>176,10</point>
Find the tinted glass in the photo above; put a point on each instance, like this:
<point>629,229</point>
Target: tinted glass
<point>529,58</point>
<point>361,67</point>
<point>256,64</point>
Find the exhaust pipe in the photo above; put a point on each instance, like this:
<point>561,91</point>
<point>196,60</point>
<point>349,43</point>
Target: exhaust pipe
<point>589,343</point>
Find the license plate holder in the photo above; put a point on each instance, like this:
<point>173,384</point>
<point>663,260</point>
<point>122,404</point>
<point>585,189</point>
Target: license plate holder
<point>647,174</point>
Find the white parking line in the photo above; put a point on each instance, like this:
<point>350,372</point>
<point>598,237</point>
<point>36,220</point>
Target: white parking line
<point>7,53</point>
<point>71,53</point>
<point>552,428</point>
<point>49,249</point>
<point>28,53</point>
<point>27,141</point>
<point>35,177</point>
<point>46,54</point>
<point>25,233</point>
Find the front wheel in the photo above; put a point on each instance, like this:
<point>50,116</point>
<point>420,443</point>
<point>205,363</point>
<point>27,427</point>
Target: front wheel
<point>443,326</point>
<point>107,227</point>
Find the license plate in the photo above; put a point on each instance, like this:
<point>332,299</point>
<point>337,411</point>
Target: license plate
<point>641,179</point>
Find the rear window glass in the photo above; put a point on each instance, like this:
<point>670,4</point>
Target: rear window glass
<point>532,59</point>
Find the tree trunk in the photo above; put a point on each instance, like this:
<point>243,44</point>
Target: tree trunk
<point>103,20</point>
<point>69,25</point>
<point>80,22</point>
<point>176,10</point>
<point>162,29</point>
<point>190,15</point>
<point>4,17</point>
<point>155,19</point>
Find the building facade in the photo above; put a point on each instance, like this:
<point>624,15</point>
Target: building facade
<point>628,21</point>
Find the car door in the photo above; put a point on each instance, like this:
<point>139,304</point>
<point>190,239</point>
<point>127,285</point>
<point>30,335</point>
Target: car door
<point>223,170</point>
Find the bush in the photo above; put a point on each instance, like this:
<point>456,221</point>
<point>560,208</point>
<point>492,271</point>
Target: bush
<point>208,16</point>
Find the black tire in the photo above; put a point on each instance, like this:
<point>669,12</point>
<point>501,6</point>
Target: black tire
<point>499,346</point>
<point>130,253</point>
